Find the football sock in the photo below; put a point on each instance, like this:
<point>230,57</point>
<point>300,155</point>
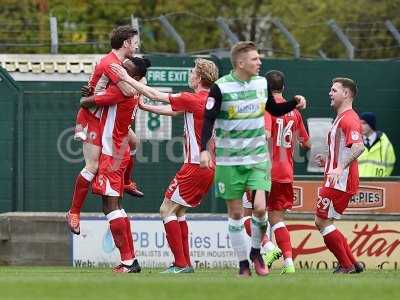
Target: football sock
<point>258,228</point>
<point>118,231</point>
<point>81,189</point>
<point>333,242</point>
<point>282,238</point>
<point>269,246</point>
<point>238,241</point>
<point>185,238</point>
<point>129,232</point>
<point>288,261</point>
<point>348,250</point>
<point>174,238</point>
<point>247,224</point>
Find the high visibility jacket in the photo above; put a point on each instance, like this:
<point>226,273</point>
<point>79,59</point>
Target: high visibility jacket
<point>379,159</point>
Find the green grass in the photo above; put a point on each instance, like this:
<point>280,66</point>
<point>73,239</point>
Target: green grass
<point>69,283</point>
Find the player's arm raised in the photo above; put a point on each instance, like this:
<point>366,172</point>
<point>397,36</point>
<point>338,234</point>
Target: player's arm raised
<point>279,109</point>
<point>143,89</point>
<point>165,110</point>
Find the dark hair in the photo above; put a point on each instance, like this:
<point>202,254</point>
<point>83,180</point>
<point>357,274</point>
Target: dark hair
<point>276,80</point>
<point>347,83</point>
<point>141,64</point>
<point>121,34</point>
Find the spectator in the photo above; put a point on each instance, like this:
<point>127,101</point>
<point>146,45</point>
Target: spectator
<point>378,158</point>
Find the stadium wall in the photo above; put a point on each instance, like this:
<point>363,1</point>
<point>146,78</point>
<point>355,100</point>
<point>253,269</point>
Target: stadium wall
<point>32,239</point>
<point>40,160</point>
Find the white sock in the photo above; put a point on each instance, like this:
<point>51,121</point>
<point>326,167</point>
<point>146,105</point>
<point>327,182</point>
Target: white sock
<point>269,246</point>
<point>288,261</point>
<point>127,262</point>
<point>87,175</point>
<point>236,235</point>
<point>258,226</point>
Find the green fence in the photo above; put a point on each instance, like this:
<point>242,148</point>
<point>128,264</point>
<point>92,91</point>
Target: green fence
<point>39,159</point>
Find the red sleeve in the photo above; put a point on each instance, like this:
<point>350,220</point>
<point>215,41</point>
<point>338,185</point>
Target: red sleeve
<point>352,130</point>
<point>184,102</point>
<point>110,96</point>
<point>110,74</point>
<point>301,129</point>
<point>268,121</point>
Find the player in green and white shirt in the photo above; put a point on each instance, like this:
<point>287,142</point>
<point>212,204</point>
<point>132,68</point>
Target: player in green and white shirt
<point>236,104</point>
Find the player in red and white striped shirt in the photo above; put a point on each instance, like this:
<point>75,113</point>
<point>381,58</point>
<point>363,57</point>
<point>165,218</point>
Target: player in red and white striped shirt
<point>115,152</point>
<point>191,183</point>
<point>124,41</point>
<point>341,182</point>
<point>286,132</point>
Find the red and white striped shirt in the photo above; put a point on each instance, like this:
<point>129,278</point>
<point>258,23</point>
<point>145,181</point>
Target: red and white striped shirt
<point>192,104</point>
<point>115,120</point>
<point>286,131</point>
<point>345,131</point>
<point>102,76</point>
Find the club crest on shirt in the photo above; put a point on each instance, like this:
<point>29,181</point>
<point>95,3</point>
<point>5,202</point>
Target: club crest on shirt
<point>210,103</point>
<point>221,187</point>
<point>355,135</point>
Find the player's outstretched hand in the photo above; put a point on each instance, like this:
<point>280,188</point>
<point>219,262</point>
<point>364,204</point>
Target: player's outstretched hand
<point>87,102</point>
<point>120,71</point>
<point>205,159</point>
<point>301,102</point>
<point>86,91</point>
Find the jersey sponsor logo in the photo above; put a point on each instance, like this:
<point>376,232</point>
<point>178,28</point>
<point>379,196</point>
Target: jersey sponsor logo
<point>210,103</point>
<point>234,110</point>
<point>355,135</point>
<point>368,197</point>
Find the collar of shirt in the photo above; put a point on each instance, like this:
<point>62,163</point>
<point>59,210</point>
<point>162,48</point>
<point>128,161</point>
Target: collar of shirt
<point>371,138</point>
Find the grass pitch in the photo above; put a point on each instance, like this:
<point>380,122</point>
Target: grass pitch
<point>70,283</point>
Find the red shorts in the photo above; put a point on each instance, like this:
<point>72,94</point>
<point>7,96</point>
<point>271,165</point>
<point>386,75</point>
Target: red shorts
<point>87,128</point>
<point>281,196</point>
<point>109,180</point>
<point>190,185</point>
<point>331,203</point>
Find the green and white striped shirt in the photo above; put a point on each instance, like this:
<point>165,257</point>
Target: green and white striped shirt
<point>239,127</point>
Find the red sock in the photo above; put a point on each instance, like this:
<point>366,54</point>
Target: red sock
<point>174,238</point>
<point>334,243</point>
<point>185,240</point>
<point>348,250</point>
<point>282,238</point>
<point>80,192</point>
<point>129,235</point>
<point>118,231</point>
<point>128,171</point>
<point>247,225</point>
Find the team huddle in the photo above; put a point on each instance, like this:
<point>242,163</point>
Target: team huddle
<point>239,133</point>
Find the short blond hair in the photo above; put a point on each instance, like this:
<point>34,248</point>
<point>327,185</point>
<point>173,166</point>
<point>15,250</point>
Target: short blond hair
<point>206,70</point>
<point>240,48</point>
